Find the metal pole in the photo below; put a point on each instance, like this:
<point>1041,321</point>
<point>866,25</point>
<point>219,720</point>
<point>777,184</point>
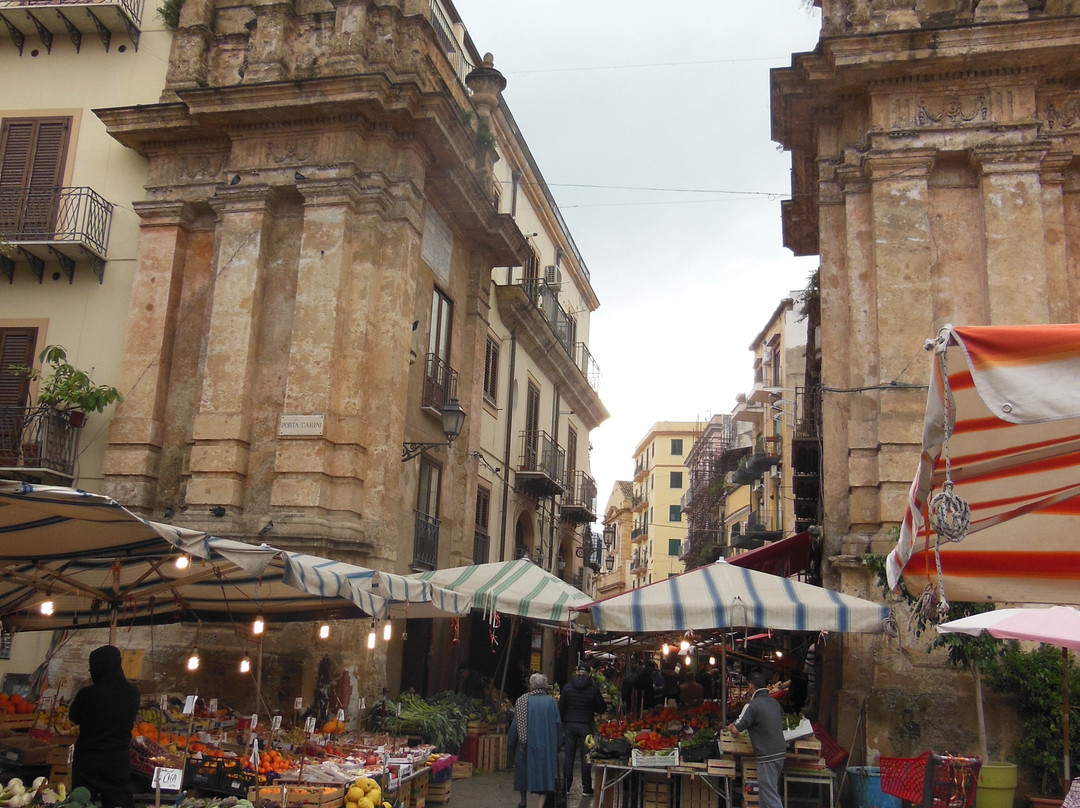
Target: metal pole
<point>1065,709</point>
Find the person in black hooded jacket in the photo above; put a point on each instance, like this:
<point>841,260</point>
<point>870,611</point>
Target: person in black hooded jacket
<point>105,712</point>
<point>579,702</point>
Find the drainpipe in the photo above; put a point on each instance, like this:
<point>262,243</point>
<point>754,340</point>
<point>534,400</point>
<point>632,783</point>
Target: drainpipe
<point>509,440</point>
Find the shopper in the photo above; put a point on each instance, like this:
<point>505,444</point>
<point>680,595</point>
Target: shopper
<point>105,712</point>
<point>764,718</point>
<point>691,692</point>
<point>535,732</point>
<point>579,702</point>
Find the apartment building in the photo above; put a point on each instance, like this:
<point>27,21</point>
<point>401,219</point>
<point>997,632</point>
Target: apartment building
<point>660,479</point>
<point>340,302</point>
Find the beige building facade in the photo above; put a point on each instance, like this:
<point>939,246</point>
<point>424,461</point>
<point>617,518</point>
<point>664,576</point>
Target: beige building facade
<point>618,543</point>
<point>935,172</point>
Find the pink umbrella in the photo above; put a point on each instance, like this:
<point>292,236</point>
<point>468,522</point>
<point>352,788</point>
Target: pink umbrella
<point>1056,625</point>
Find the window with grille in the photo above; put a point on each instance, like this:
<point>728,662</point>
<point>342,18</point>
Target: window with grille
<point>491,371</point>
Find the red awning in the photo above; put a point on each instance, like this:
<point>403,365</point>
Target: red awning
<point>784,557</point>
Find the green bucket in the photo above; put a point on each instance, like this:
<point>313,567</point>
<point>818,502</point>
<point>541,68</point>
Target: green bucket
<point>997,786</point>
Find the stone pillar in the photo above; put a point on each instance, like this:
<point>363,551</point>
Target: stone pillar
<point>266,53</point>
<point>131,466</point>
<point>187,62</point>
<point>1016,267</point>
<point>222,426</point>
<point>1060,293</point>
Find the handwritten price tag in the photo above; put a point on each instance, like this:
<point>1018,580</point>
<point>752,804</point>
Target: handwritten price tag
<point>167,779</point>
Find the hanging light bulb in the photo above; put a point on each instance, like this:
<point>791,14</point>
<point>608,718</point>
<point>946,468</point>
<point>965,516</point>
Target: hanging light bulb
<point>386,631</point>
<point>258,625</point>
<point>779,654</point>
<point>666,649</point>
<point>371,637</point>
<point>47,607</point>
<point>183,562</point>
<point>245,664</point>
<point>324,631</point>
<point>193,661</point>
<point>687,660</point>
<point>684,645</point>
<point>712,660</point>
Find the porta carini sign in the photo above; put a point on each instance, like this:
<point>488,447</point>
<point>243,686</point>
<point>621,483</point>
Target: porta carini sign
<point>300,425</point>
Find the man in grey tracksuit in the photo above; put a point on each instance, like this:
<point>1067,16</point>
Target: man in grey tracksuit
<point>764,718</point>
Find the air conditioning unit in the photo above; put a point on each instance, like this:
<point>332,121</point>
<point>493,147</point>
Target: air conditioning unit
<point>552,275</point>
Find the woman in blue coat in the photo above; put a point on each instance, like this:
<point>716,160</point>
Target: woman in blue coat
<point>535,734</point>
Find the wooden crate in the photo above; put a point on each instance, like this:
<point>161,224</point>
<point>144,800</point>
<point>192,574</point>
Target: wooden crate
<point>439,793</point>
<point>60,774</point>
<point>695,793</point>
<point>309,795</point>
<point>462,769</point>
<point>655,792</point>
<point>723,767</point>
<point>491,753</point>
<point>748,769</point>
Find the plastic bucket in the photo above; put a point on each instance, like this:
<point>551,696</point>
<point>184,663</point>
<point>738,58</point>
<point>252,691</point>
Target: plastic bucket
<point>997,786</point>
<point>866,781</point>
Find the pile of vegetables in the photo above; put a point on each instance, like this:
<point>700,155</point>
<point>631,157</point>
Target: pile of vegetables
<point>443,724</point>
<point>16,794</point>
<point>215,802</point>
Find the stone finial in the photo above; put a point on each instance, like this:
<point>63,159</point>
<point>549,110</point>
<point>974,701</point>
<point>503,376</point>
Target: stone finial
<point>486,83</point>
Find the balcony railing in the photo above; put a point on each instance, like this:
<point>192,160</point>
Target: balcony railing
<point>481,543</point>
<point>24,18</point>
<point>638,531</point>
<point>541,462</point>
<point>592,549</point>
<point>587,365</point>
<point>38,444</point>
<point>440,383</point>
<point>579,499</point>
<point>445,34</point>
<point>426,542</point>
<point>62,223</point>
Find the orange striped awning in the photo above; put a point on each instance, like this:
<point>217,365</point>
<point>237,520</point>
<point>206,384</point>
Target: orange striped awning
<point>1013,399</point>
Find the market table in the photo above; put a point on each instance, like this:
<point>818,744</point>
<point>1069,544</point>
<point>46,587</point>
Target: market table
<point>611,774</point>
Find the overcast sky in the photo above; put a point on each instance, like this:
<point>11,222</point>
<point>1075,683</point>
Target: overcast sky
<point>650,123</point>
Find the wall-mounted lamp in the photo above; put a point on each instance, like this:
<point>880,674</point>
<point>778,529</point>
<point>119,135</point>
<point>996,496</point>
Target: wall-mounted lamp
<point>453,418</point>
<point>609,562</point>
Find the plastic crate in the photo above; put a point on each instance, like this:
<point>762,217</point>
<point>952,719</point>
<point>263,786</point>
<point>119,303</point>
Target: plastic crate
<point>931,780</point>
<point>835,755</point>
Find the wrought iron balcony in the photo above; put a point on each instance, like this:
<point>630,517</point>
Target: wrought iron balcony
<point>592,550</point>
<point>53,224</point>
<point>481,545</point>
<point>638,532</point>
<point>579,498</point>
<point>426,542</point>
<point>440,383</point>
<point>445,34</point>
<point>587,365</point>
<point>46,18</point>
<point>38,445</point>
<point>540,464</point>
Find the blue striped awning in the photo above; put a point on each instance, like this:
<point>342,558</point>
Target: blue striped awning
<point>723,595</point>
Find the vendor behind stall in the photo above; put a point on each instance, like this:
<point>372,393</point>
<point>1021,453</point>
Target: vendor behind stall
<point>105,712</point>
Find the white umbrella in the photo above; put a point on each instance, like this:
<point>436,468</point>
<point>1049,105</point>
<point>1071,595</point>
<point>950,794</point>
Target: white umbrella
<point>1056,625</point>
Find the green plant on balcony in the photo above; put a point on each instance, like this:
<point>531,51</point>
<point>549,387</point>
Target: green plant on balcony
<point>62,386</point>
<point>170,13</point>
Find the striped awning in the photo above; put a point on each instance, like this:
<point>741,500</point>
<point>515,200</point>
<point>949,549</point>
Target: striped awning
<point>1013,405</point>
<point>722,595</point>
<point>517,587</point>
<point>98,563</point>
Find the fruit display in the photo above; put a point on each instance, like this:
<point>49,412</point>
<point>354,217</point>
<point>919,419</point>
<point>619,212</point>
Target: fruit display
<point>365,793</point>
<point>15,704</point>
<point>664,727</point>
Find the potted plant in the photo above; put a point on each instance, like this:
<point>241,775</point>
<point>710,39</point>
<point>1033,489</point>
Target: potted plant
<point>62,386</point>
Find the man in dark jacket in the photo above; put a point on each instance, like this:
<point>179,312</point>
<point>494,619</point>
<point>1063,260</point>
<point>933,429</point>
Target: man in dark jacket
<point>579,702</point>
<point>105,712</point>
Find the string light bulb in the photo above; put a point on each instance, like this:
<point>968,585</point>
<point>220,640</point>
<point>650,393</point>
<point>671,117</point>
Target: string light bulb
<point>193,661</point>
<point>687,660</point>
<point>324,631</point>
<point>258,625</point>
<point>371,637</point>
<point>712,660</point>
<point>245,664</point>
<point>666,649</point>
<point>183,562</point>
<point>386,631</point>
<point>684,645</point>
<point>47,608</point>
<point>779,654</point>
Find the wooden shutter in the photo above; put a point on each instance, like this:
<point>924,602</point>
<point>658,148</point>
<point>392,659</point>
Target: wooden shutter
<point>491,370</point>
<point>483,504</point>
<point>16,348</point>
<point>32,154</point>
<point>532,424</point>
<point>571,454</point>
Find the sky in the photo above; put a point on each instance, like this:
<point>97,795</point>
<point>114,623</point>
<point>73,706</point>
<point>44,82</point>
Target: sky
<point>650,123</point>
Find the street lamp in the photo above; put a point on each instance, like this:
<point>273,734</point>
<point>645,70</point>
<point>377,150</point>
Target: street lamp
<point>453,418</point>
<point>609,562</point>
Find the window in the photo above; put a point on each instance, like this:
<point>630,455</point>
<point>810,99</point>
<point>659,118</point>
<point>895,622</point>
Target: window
<point>676,447</point>
<point>491,371</point>
<point>532,427</point>
<point>674,546</point>
<point>439,379</point>
<point>676,479</point>
<point>32,153</point>
<point>483,505</point>
<point>16,348</point>
<point>427,498</point>
<point>531,269</point>
<point>571,453</point>
<point>674,513</point>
